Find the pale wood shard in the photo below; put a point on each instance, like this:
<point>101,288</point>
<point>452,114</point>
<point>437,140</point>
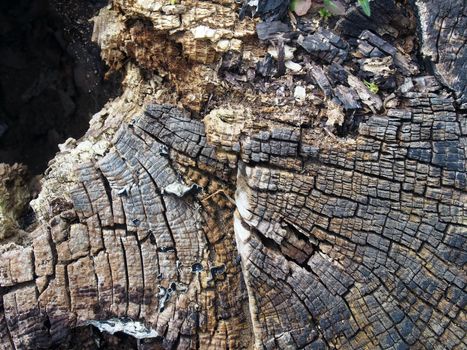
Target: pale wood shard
<point>335,239</point>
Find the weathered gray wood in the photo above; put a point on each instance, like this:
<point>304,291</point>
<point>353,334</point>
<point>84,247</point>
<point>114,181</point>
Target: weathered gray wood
<point>335,239</point>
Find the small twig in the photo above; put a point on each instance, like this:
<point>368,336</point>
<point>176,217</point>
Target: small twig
<point>216,192</point>
<point>330,133</point>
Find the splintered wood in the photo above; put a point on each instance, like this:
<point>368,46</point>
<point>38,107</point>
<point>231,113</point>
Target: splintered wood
<point>254,229</point>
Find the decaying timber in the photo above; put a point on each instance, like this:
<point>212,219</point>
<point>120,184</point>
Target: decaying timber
<point>341,234</point>
<point>15,194</point>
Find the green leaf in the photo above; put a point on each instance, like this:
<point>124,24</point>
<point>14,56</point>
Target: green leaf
<point>293,4</point>
<point>325,14</point>
<point>373,87</point>
<point>365,4</point>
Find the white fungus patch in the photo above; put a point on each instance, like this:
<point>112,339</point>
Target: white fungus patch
<point>134,328</point>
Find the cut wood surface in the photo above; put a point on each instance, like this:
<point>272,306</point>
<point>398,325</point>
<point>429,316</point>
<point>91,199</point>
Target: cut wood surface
<point>200,211</point>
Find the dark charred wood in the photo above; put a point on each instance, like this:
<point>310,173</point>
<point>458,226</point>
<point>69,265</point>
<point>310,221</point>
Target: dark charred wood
<point>347,227</point>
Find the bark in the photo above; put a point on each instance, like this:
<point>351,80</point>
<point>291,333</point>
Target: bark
<point>202,210</point>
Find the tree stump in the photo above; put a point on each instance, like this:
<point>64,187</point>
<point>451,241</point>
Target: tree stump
<point>247,193</point>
